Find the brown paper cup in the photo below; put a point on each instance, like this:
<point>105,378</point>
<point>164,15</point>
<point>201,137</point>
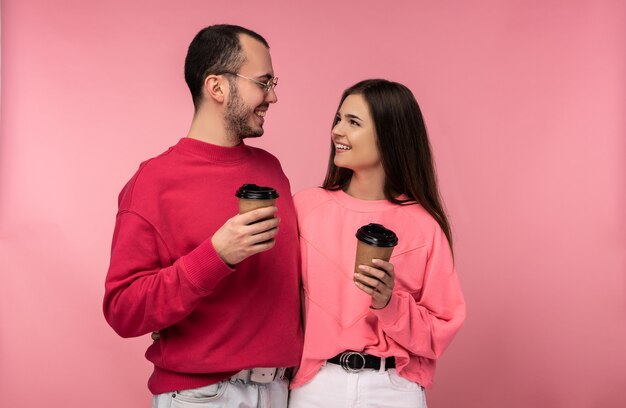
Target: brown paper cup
<point>246,204</point>
<point>365,253</point>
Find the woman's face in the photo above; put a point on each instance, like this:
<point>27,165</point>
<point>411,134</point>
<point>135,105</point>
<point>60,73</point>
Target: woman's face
<point>354,137</point>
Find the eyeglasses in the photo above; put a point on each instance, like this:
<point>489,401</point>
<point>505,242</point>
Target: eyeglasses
<point>267,86</point>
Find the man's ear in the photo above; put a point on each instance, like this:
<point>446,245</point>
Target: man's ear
<point>215,87</point>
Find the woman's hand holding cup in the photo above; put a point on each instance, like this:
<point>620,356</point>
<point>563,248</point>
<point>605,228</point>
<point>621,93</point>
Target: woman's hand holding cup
<point>377,282</point>
<point>373,273</point>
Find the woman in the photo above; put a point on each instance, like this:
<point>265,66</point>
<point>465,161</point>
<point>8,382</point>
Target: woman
<point>373,334</point>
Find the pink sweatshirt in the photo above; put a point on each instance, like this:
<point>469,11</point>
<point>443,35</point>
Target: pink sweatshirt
<point>425,311</point>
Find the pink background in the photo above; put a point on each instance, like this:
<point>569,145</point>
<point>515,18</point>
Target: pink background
<point>525,103</point>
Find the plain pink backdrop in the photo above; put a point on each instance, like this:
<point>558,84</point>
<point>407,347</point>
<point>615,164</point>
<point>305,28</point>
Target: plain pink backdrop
<point>525,103</point>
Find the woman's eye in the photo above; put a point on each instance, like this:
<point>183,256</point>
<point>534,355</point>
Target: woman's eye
<point>354,122</point>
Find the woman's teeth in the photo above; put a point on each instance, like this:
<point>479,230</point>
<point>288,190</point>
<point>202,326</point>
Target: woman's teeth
<point>342,146</point>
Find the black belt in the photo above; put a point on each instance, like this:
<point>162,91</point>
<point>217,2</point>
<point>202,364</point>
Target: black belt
<point>354,361</point>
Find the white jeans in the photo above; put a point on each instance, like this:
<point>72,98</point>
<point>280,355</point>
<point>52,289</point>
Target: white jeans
<point>228,393</point>
<point>334,387</point>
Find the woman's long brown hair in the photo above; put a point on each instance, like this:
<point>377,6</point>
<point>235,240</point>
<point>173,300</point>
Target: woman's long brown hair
<point>403,145</point>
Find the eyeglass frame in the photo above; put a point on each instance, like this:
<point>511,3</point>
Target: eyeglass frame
<point>267,86</point>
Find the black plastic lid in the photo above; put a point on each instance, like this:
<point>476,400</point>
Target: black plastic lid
<point>377,235</point>
<point>254,192</point>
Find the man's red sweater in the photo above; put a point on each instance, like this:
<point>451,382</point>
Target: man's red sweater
<point>166,276</point>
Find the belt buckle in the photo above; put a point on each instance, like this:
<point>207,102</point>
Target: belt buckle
<point>344,361</point>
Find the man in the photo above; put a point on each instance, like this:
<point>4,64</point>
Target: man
<point>220,290</point>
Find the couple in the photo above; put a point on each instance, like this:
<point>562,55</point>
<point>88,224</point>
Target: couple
<point>220,291</point>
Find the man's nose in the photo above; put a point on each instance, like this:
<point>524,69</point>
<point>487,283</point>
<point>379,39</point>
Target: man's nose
<point>271,96</point>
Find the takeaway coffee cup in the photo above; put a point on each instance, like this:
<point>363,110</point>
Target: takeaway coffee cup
<point>252,197</point>
<point>374,241</point>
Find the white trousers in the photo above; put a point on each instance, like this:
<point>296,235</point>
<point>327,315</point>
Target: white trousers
<point>226,394</point>
<point>333,387</point>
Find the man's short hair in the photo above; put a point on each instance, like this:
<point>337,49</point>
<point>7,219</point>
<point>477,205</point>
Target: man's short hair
<point>214,50</point>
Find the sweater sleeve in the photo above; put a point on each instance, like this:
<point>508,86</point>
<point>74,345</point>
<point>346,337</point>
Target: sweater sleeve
<point>142,295</point>
<point>425,323</point>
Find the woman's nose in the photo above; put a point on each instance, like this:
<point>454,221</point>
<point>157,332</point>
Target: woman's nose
<point>337,130</point>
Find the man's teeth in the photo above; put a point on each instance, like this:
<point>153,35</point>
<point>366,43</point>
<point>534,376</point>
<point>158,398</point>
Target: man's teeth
<point>260,114</point>
<point>342,146</point>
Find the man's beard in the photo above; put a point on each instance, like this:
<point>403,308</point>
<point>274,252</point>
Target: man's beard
<point>237,117</point>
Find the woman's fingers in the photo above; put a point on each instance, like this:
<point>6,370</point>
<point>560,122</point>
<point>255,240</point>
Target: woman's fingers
<point>378,283</point>
<point>377,274</point>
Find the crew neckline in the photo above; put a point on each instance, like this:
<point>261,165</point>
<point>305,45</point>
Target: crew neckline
<point>214,153</point>
<point>357,204</point>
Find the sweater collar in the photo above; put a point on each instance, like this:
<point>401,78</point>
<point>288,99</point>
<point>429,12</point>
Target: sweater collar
<point>356,204</point>
<point>213,152</point>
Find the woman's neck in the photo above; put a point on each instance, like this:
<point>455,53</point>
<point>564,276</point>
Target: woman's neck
<point>367,186</point>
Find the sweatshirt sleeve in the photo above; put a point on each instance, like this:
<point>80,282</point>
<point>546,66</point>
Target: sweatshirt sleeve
<point>142,295</point>
<point>425,324</point>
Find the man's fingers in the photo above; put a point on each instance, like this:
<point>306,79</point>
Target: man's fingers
<point>256,215</point>
<point>262,226</point>
<point>263,236</point>
<point>246,234</point>
<point>261,246</point>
